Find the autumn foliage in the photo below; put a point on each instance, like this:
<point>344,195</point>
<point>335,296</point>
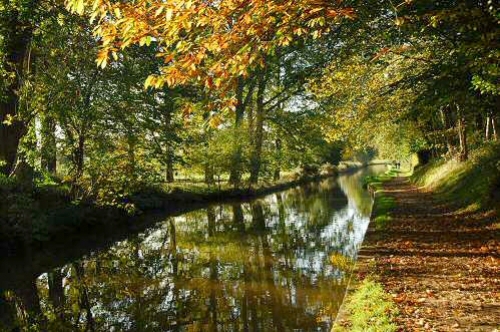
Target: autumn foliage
<point>207,42</point>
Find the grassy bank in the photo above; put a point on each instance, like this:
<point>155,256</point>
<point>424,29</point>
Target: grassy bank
<point>474,184</point>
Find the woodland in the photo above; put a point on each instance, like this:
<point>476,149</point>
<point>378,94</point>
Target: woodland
<point>104,100</point>
<point>113,109</point>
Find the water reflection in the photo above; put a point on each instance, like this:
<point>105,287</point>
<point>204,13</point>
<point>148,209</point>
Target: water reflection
<point>273,264</point>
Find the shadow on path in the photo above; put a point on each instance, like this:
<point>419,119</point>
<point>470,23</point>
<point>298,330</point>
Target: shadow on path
<point>441,264</point>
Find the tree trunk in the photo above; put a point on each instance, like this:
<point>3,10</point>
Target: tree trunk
<point>494,129</point>
<point>23,168</point>
<point>79,156</point>
<point>277,170</point>
<point>56,292</point>
<point>48,149</point>
<point>169,174</point>
<point>235,172</point>
<point>15,45</point>
<point>30,304</point>
<point>446,126</point>
<point>487,135</point>
<point>84,301</point>
<point>213,306</point>
<point>169,167</point>
<point>259,131</point>
<point>211,220</point>
<point>209,173</point>
<point>173,246</point>
<point>238,217</point>
<point>207,162</point>
<point>131,165</point>
<point>258,218</point>
<point>462,136</point>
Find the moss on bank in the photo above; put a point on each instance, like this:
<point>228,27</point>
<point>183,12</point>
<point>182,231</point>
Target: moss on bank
<point>161,196</point>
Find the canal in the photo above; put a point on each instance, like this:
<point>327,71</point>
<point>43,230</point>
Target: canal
<point>276,263</point>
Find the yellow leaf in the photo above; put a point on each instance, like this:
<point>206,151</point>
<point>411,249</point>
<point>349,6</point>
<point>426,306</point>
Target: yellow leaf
<point>104,63</point>
<point>93,16</point>
<point>170,81</point>
<point>215,122</point>
<point>315,10</point>
<point>146,40</point>
<point>102,59</point>
<point>79,7</point>
<point>159,11</point>
<point>150,81</point>
<point>170,14</point>
<point>159,83</point>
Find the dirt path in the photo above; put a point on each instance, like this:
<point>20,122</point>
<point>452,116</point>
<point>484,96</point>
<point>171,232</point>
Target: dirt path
<point>441,265</point>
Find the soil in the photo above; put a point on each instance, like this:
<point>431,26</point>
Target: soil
<point>440,263</point>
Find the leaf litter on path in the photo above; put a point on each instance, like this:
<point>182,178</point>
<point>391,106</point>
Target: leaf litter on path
<point>441,264</point>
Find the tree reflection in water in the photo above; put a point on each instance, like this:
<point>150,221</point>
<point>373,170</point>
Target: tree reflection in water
<point>268,265</point>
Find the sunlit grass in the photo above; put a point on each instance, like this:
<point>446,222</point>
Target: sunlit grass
<point>374,182</point>
<point>471,184</point>
<point>369,308</point>
<point>383,204</point>
<point>382,209</point>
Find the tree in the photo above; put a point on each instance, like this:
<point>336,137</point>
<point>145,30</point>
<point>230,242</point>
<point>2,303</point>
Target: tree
<point>17,23</point>
<point>213,44</point>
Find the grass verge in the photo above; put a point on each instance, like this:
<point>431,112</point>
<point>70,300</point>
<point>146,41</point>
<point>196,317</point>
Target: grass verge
<point>383,204</point>
<point>368,308</point>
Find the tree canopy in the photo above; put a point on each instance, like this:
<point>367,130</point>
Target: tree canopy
<point>108,96</point>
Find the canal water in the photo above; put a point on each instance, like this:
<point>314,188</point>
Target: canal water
<point>277,263</point>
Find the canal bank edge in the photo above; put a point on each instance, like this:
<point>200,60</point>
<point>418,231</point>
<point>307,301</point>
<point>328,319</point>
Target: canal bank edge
<point>366,304</point>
